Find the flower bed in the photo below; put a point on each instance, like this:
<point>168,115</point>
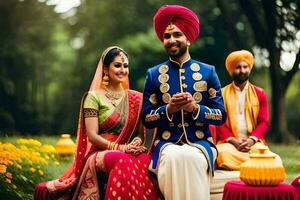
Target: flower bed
<point>23,165</point>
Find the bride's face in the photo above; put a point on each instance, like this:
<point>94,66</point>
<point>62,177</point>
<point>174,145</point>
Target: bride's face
<point>118,69</point>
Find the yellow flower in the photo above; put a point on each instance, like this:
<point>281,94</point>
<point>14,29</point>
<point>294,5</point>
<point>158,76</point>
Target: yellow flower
<point>8,175</point>
<point>22,141</point>
<point>13,186</point>
<point>35,142</point>
<point>18,166</point>
<point>32,169</point>
<point>2,169</point>
<point>56,163</point>
<point>46,148</point>
<point>41,173</point>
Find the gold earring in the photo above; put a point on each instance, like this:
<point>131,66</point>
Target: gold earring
<point>105,80</point>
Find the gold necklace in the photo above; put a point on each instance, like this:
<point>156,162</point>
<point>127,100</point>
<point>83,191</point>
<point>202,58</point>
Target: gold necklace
<point>114,96</point>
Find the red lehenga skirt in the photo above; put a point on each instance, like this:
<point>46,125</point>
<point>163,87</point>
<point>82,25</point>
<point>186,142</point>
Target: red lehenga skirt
<point>127,179</point>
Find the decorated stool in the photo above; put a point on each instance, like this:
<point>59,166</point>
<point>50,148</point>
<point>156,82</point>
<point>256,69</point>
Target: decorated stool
<point>238,190</point>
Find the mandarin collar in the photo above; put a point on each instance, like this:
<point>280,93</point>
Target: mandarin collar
<point>177,64</point>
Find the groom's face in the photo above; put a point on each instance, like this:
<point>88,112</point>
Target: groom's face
<point>175,42</point>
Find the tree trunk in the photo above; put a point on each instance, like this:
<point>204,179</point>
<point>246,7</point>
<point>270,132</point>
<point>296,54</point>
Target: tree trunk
<point>279,132</point>
<point>278,118</point>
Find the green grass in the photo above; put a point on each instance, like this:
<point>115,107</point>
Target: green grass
<point>290,155</point>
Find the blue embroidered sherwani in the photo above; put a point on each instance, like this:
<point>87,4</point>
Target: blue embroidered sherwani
<point>169,78</point>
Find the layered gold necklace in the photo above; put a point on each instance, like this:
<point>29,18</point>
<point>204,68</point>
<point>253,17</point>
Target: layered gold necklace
<point>114,96</point>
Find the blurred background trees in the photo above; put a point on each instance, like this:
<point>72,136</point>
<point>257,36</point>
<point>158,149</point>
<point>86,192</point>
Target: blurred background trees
<point>48,58</point>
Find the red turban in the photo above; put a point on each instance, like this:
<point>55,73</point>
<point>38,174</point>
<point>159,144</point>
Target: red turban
<point>182,17</point>
<point>234,58</point>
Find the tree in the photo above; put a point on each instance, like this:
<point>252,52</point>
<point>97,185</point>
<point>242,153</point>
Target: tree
<point>26,59</point>
<point>272,26</point>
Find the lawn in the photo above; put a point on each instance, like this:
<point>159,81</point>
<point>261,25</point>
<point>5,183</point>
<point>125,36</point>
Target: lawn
<point>290,154</point>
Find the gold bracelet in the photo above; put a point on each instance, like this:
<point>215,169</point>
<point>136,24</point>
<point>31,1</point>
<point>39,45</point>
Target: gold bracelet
<point>109,144</point>
<point>124,148</point>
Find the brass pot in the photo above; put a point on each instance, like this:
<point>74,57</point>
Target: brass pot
<point>65,145</point>
<point>261,168</point>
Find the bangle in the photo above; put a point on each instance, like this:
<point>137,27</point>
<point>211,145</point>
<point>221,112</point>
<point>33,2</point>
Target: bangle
<point>124,148</point>
<point>109,144</point>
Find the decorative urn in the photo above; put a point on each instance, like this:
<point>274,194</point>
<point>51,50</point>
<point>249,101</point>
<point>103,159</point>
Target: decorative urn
<point>262,168</point>
<point>65,145</point>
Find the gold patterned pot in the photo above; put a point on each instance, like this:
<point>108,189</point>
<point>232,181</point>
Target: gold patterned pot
<point>65,145</point>
<point>261,168</point>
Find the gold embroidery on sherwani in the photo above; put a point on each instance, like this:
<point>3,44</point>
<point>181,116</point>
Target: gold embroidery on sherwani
<point>197,76</point>
<point>164,87</point>
<point>195,67</point>
<point>163,78</point>
<point>153,99</point>
<point>163,69</point>
<point>212,92</point>
<point>197,96</point>
<point>166,97</point>
<point>200,86</point>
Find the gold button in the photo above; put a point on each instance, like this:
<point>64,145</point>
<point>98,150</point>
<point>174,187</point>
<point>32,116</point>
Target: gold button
<point>184,85</point>
<point>166,135</point>
<point>200,134</point>
<point>182,77</point>
<point>179,125</point>
<point>182,70</point>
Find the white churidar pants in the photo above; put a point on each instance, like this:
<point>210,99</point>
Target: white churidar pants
<point>182,173</point>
